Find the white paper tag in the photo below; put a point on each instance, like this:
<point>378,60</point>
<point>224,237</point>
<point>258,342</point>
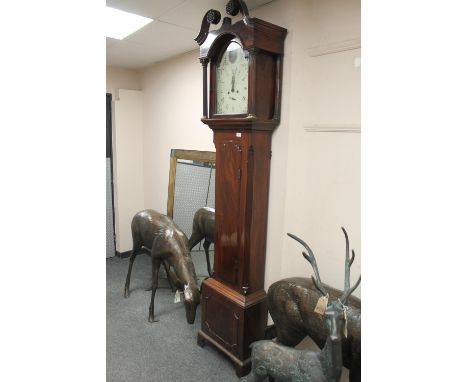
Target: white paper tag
<point>238,135</point>
<point>321,306</point>
<point>177,297</point>
<point>187,292</point>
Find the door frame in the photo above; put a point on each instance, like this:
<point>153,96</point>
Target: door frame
<point>110,155</point>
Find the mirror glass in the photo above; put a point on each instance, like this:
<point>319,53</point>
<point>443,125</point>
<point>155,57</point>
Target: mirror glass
<point>191,187</point>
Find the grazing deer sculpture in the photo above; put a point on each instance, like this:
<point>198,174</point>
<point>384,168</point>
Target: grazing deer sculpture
<point>167,245</point>
<point>284,363</point>
<point>291,304</point>
<point>203,228</point>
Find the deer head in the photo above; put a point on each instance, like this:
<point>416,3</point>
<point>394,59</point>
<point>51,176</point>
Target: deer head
<point>335,313</point>
<point>335,320</point>
<point>191,297</point>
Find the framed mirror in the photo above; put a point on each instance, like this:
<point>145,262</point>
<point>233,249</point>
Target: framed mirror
<point>191,187</point>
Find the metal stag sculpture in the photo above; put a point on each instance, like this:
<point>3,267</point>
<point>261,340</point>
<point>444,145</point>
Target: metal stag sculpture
<point>167,245</point>
<point>291,304</point>
<point>203,228</point>
<point>284,363</point>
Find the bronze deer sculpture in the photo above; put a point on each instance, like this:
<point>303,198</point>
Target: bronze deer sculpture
<point>167,245</point>
<point>291,303</point>
<point>283,363</point>
<point>203,228</point>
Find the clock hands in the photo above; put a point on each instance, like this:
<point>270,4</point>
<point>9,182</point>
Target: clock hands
<point>232,94</point>
<point>233,80</point>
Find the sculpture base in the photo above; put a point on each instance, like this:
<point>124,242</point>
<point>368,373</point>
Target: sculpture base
<point>232,321</point>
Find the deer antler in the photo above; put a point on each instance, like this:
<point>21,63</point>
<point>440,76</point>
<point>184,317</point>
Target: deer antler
<point>311,259</point>
<point>348,262</point>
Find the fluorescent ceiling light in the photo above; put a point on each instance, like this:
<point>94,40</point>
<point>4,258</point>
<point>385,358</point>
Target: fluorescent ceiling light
<point>120,24</point>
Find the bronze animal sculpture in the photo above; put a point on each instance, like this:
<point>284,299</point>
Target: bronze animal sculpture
<point>283,363</point>
<point>291,303</point>
<point>203,228</point>
<point>168,245</point>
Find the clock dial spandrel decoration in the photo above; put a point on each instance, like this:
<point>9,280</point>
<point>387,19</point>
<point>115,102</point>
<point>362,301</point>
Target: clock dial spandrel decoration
<point>232,81</point>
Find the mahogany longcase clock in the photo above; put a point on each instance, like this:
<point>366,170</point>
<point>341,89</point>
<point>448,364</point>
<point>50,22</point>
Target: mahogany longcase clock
<point>242,108</point>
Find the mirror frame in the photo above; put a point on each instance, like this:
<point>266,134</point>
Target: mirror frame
<point>201,156</point>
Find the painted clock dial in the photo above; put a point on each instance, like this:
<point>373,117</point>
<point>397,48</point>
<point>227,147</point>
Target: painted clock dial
<point>232,74</point>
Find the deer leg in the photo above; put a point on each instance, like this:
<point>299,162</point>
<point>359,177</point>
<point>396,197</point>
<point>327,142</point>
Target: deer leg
<point>129,273</point>
<point>195,238</point>
<point>169,276</point>
<point>151,285</point>
<point>206,246</point>
<point>156,264</point>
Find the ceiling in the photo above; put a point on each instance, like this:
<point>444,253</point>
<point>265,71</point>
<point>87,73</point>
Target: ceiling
<point>175,25</point>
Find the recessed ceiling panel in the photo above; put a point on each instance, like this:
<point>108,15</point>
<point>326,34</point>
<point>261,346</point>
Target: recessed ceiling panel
<point>158,35</point>
<point>156,42</point>
<point>147,8</point>
<point>175,25</point>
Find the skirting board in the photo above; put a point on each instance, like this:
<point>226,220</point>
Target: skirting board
<point>123,255</point>
<point>338,128</point>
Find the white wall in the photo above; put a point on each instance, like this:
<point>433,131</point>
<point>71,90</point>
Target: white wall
<point>120,78</point>
<point>321,171</point>
<point>173,107</point>
<point>128,163</point>
<point>315,176</point>
<point>127,130</point>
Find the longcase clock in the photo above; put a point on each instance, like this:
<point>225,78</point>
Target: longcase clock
<point>241,104</point>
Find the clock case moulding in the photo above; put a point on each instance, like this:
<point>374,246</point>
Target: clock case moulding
<point>234,308</point>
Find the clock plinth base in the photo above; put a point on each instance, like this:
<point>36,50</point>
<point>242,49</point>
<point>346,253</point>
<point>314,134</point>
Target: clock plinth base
<point>242,367</point>
<point>232,321</point>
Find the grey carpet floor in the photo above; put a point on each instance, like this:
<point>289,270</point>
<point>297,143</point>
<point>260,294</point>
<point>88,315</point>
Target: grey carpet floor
<point>164,351</point>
